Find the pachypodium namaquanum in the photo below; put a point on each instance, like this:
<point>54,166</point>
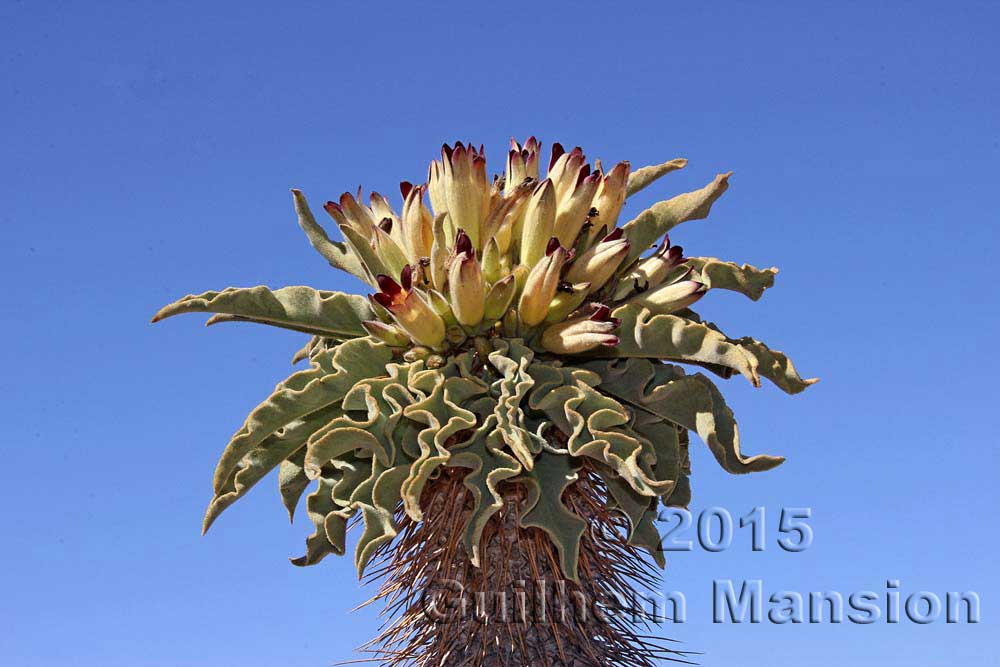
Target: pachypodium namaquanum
<point>504,412</point>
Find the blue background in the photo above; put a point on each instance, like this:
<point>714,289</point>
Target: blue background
<point>147,150</point>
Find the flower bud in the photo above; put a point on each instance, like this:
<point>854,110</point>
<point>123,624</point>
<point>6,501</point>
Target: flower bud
<point>539,219</point>
<point>598,264</point>
<point>572,208</point>
<point>652,271</point>
<point>435,189</point>
<point>568,298</point>
<point>671,298</point>
<point>491,261</point>
<point>581,334</point>
<point>387,333</point>
<point>357,215</point>
<point>440,305</point>
<point>417,353</point>
<point>465,283</point>
<point>418,225</point>
<point>565,169</point>
<point>610,195</point>
<point>499,298</point>
<point>466,188</point>
<point>385,247</point>
<point>381,211</point>
<point>439,252</point>
<point>522,163</point>
<point>541,284</point>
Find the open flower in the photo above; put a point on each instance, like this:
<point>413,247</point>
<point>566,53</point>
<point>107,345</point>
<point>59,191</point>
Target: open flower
<point>583,333</point>
<point>408,308</point>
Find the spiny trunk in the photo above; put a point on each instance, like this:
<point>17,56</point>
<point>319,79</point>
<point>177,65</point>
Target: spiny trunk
<point>517,609</point>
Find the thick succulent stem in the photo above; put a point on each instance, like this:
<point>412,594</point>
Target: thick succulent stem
<point>517,608</point>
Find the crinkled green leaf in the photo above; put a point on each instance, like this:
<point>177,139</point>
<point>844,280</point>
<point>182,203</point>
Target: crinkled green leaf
<point>373,409</point>
<point>489,466</point>
<point>512,359</point>
<point>771,364</point>
<point>646,229</point>
<point>265,457</point>
<point>299,308</point>
<point>775,366</point>
<point>378,498</point>
<point>339,255</point>
<point>331,525</point>
<point>681,496</point>
<point>691,401</point>
<point>292,481</point>
<point>314,344</point>
<point>717,274</point>
<point>544,508</point>
<point>637,507</point>
<point>645,176</point>
<point>596,426</point>
<point>325,383</point>
<point>664,336</point>
<point>442,413</point>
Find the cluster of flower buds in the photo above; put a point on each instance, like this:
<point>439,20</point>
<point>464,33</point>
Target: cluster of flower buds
<point>522,256</point>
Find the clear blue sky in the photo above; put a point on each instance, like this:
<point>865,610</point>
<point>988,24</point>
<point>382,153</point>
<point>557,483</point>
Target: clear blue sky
<point>147,150</point>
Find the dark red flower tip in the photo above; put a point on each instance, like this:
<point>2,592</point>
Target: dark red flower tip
<point>531,143</point>
<point>676,254</point>
<point>614,235</point>
<point>446,151</point>
<point>666,241</point>
<point>612,341</point>
<point>406,278</point>
<point>576,152</point>
<point>601,312</point>
<point>388,286</point>
<point>381,299</point>
<point>463,243</point>
<point>552,246</point>
<point>512,153</point>
<point>385,224</point>
<point>583,174</point>
<point>514,146</point>
<point>332,206</point>
<point>405,187</point>
<point>557,151</point>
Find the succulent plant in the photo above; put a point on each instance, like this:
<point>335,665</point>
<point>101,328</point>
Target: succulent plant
<point>506,404</point>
